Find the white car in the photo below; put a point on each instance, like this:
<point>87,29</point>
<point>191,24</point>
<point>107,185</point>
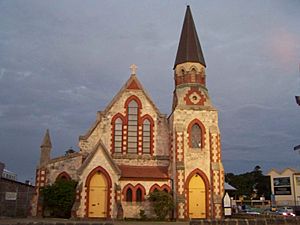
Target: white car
<point>286,211</point>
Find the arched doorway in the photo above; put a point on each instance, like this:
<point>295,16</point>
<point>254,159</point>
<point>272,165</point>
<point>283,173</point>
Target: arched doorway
<point>197,197</point>
<point>98,195</point>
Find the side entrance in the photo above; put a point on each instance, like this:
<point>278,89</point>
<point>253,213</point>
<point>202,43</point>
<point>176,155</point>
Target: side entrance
<point>197,197</point>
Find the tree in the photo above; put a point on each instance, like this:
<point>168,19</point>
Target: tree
<point>252,184</point>
<point>162,203</point>
<point>59,197</point>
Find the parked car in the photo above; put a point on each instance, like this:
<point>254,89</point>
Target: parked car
<point>286,211</point>
<point>246,209</point>
<point>270,211</point>
<point>251,212</point>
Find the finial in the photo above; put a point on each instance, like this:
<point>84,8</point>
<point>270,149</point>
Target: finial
<point>133,69</point>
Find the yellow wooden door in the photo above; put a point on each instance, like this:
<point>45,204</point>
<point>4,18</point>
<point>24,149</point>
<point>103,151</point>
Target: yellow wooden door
<point>197,197</point>
<point>97,196</point>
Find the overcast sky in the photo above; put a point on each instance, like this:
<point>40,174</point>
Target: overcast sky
<point>62,61</point>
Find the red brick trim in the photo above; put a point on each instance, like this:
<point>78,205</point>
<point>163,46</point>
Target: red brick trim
<point>203,132</point>
<point>147,116</point>
<point>125,191</point>
<point>188,77</point>
<point>153,187</point>
<point>166,187</point>
<point>63,175</point>
<point>144,179</point>
<point>177,154</point>
<point>133,85</point>
<point>206,183</point>
<point>138,101</point>
<point>142,189</point>
<point>134,189</point>
<point>160,188</point>
<point>113,120</point>
<point>109,189</point>
<point>133,97</point>
<point>190,92</point>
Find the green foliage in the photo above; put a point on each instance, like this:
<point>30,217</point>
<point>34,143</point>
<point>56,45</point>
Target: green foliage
<point>252,185</point>
<point>143,216</point>
<point>162,203</point>
<point>59,197</point>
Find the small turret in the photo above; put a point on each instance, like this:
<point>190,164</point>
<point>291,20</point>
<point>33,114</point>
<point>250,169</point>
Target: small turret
<point>46,147</point>
<point>189,68</point>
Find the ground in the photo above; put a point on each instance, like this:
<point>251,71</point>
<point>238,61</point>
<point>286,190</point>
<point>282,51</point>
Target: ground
<point>50,221</point>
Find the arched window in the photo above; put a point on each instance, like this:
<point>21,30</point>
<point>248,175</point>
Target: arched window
<point>193,75</point>
<point>129,195</point>
<point>182,72</point>
<point>196,136</point>
<point>166,190</point>
<point>146,136</point>
<point>118,135</point>
<point>139,195</point>
<point>132,140</point>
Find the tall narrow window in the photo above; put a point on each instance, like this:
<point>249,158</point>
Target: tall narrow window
<point>138,195</point>
<point>196,136</point>
<point>118,131</point>
<point>193,75</point>
<point>146,136</point>
<point>132,127</point>
<point>129,195</point>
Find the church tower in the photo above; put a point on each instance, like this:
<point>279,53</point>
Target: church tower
<point>46,147</point>
<point>197,169</point>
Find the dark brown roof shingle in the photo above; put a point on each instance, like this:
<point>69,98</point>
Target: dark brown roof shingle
<point>144,172</point>
<point>189,48</point>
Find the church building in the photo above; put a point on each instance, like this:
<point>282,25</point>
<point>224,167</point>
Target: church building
<point>132,149</point>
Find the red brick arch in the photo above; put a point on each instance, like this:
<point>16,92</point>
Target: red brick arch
<point>133,97</point>
<point>142,189</point>
<point>109,189</point>
<point>114,118</point>
<point>207,189</point>
<point>134,189</point>
<point>160,188</point>
<point>148,117</point>
<point>203,132</point>
<point>63,176</point>
<point>125,191</point>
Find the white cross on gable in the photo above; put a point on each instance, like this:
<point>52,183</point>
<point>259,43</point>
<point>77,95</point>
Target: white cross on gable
<point>133,69</point>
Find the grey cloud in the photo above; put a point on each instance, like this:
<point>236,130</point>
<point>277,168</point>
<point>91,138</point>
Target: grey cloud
<point>61,63</point>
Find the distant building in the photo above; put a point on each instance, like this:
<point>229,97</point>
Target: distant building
<point>9,175</point>
<point>132,149</point>
<point>14,196</point>
<point>297,99</point>
<point>285,187</point>
<point>2,165</point>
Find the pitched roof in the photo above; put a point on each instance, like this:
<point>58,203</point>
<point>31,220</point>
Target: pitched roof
<point>47,140</point>
<point>189,48</point>
<point>92,154</point>
<point>144,172</point>
<point>228,187</point>
<point>131,83</point>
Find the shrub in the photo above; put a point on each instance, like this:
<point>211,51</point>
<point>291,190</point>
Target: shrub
<point>143,215</point>
<point>162,203</point>
<point>59,198</point>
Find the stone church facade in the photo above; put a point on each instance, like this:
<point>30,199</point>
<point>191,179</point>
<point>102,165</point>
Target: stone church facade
<point>132,149</point>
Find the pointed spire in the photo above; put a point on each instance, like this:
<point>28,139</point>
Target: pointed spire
<point>47,140</point>
<point>189,49</point>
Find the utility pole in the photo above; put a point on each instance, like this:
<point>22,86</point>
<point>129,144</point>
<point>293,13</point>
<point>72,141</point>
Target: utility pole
<point>296,148</point>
